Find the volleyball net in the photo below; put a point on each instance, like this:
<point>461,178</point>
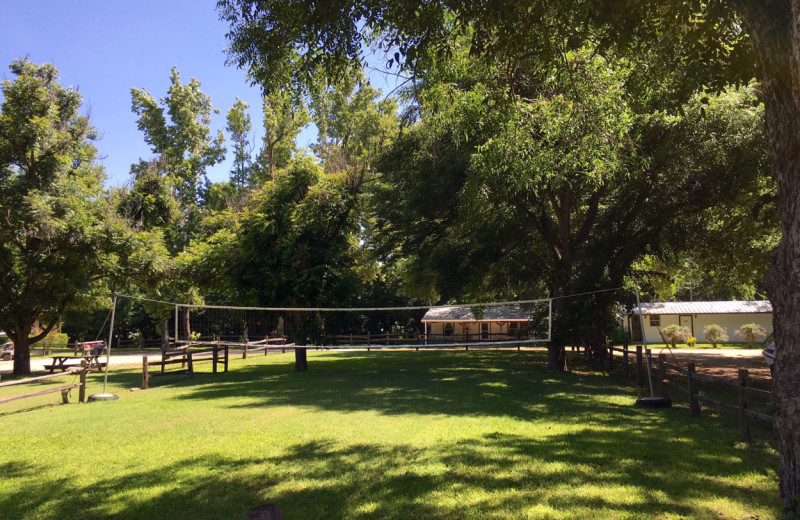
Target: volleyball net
<point>487,325</point>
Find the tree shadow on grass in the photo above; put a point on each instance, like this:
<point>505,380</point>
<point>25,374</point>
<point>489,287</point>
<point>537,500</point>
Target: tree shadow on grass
<point>469,383</point>
<point>495,476</point>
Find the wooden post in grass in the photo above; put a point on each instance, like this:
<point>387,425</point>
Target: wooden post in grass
<point>189,359</point>
<point>610,358</point>
<point>214,358</point>
<point>744,426</point>
<point>662,375</point>
<point>244,352</point>
<point>226,359</point>
<point>639,370</point>
<point>626,365</point>
<point>694,402</point>
<point>300,359</point>
<point>265,512</point>
<point>82,390</point>
<point>145,374</point>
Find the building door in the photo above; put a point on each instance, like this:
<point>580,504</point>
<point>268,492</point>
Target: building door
<point>636,329</point>
<point>685,320</point>
<point>484,331</point>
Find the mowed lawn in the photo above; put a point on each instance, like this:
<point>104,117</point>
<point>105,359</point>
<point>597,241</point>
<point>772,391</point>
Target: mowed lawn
<point>407,435</point>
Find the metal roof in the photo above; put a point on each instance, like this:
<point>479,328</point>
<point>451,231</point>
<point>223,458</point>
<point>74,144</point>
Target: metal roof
<point>743,307</point>
<point>488,313</point>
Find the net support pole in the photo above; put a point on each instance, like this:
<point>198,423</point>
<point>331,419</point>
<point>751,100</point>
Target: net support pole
<point>110,337</point>
<point>176,324</point>
<point>644,336</point>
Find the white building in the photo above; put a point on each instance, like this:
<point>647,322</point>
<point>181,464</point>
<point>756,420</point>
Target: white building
<point>491,323</point>
<point>696,315</point>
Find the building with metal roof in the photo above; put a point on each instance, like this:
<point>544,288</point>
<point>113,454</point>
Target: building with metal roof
<point>484,323</point>
<point>696,316</point>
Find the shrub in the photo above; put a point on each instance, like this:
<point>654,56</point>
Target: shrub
<point>675,334</point>
<point>692,341</point>
<point>619,336</point>
<point>750,332</point>
<point>715,334</point>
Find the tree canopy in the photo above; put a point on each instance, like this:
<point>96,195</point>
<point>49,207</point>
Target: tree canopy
<point>59,236</point>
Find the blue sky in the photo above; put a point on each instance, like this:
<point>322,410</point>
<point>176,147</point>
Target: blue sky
<point>106,47</point>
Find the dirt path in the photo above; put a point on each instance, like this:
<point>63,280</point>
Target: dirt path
<point>725,363</point>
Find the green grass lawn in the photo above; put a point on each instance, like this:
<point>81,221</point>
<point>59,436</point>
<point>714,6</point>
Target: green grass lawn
<point>407,435</point>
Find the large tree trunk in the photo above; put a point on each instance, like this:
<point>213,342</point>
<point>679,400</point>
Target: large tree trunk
<point>22,351</point>
<point>165,336</point>
<point>186,325</point>
<point>774,27</point>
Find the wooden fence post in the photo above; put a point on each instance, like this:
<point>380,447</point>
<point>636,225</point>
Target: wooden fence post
<point>189,359</point>
<point>244,352</point>
<point>226,359</point>
<point>610,358</point>
<point>744,426</point>
<point>639,371</point>
<point>82,391</point>
<point>145,374</point>
<point>694,402</point>
<point>214,358</point>
<point>662,375</point>
<point>626,366</point>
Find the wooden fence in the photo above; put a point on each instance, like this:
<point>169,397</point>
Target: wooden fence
<point>265,344</point>
<point>187,358</point>
<point>685,380</point>
<point>64,389</point>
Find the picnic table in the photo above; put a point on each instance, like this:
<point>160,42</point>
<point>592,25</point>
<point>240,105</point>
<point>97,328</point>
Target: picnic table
<point>62,363</point>
<point>90,348</point>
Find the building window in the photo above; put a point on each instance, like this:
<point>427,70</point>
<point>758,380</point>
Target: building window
<point>655,320</point>
<point>448,329</point>
<point>484,331</point>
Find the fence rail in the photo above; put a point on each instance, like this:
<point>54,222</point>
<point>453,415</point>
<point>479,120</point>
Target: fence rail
<point>64,389</point>
<point>219,354</point>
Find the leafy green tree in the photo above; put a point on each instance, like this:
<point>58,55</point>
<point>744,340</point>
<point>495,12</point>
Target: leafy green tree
<point>292,245</point>
<point>178,131</point>
<point>544,194</point>
<point>59,237</point>
<point>239,127</point>
<point>284,117</point>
